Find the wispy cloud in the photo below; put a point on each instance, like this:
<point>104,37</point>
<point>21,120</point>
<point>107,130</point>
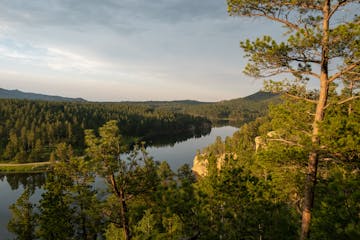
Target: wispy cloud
<point>60,59</point>
<point>19,50</point>
<point>145,47</point>
<point>53,57</point>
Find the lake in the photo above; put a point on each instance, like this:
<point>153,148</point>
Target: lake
<point>12,185</point>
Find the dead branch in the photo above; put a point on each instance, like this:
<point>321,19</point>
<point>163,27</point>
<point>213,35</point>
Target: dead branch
<point>301,98</point>
<point>347,69</point>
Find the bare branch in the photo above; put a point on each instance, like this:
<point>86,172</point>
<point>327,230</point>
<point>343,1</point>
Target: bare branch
<point>347,69</point>
<point>336,7</point>
<point>283,21</point>
<point>348,99</point>
<point>301,98</point>
<point>342,101</point>
<point>328,105</point>
<point>276,19</point>
<point>285,141</point>
<point>306,133</point>
<point>311,114</point>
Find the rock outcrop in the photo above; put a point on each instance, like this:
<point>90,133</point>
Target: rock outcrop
<point>200,163</point>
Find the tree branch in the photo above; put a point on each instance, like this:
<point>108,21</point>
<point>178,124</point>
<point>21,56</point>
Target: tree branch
<point>348,99</point>
<point>285,141</point>
<point>301,98</point>
<point>355,73</point>
<point>304,73</point>
<point>347,69</point>
<point>280,71</point>
<point>304,6</point>
<point>276,19</point>
<point>328,105</point>
<point>283,21</point>
<point>336,7</point>
<point>304,59</point>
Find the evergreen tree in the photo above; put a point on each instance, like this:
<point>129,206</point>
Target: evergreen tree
<point>317,39</point>
<point>23,221</point>
<point>55,211</point>
<point>127,178</point>
<point>80,193</point>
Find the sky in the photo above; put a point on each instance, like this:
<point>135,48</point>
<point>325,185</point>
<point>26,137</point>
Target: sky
<point>123,50</point>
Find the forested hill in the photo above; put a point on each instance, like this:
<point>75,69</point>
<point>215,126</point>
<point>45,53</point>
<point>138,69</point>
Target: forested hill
<point>256,97</point>
<point>261,96</point>
<point>30,130</point>
<point>17,94</point>
<point>234,112</point>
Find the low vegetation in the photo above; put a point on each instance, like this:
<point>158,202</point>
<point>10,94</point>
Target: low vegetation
<point>25,167</point>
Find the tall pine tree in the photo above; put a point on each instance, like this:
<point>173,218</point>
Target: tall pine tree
<point>322,45</point>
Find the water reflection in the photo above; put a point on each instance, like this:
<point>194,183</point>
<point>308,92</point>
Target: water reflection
<point>227,122</point>
<point>177,149</point>
<point>174,138</point>
<point>30,181</point>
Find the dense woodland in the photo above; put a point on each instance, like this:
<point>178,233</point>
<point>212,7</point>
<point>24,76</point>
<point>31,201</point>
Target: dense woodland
<point>270,172</point>
<point>233,112</point>
<point>256,193</point>
<point>30,130</point>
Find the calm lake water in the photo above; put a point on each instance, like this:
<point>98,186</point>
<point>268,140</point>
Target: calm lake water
<point>12,185</point>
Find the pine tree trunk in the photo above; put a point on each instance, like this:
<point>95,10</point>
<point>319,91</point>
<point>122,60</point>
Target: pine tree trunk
<point>124,218</point>
<point>319,116</point>
<point>123,207</point>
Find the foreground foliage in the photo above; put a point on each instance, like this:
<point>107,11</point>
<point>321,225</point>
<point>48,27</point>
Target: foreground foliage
<point>257,192</point>
<point>320,45</point>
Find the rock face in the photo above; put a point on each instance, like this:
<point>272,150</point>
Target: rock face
<point>200,163</point>
<point>261,141</point>
<point>199,166</point>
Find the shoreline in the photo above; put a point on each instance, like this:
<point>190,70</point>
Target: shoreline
<point>24,167</point>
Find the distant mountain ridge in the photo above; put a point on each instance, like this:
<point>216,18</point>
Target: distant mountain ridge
<point>233,112</point>
<point>261,96</point>
<point>17,94</point>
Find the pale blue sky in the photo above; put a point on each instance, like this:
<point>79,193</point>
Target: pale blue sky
<point>114,50</point>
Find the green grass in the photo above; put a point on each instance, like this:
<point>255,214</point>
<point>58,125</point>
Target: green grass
<point>25,167</point>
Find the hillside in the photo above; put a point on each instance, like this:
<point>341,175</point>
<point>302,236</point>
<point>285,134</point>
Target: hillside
<point>234,112</point>
<point>17,94</point>
<point>261,96</point>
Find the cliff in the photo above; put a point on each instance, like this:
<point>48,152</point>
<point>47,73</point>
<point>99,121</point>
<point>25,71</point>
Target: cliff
<point>200,163</point>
